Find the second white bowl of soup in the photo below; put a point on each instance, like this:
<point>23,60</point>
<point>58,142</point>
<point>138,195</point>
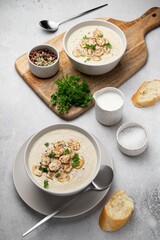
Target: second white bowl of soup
<point>94,47</point>
<point>62,159</point>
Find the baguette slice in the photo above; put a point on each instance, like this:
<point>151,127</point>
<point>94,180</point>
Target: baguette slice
<point>116,212</point>
<point>148,94</point>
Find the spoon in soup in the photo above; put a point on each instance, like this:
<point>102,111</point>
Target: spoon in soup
<point>53,26</point>
<point>101,182</point>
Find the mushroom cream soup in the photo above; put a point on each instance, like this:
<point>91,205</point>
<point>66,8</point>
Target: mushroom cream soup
<point>63,160</point>
<point>94,45</point>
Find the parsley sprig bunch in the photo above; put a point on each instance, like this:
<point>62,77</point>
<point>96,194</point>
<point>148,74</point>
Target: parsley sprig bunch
<point>71,92</point>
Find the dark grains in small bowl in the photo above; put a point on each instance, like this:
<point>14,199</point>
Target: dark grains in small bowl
<point>43,61</point>
<point>42,57</point>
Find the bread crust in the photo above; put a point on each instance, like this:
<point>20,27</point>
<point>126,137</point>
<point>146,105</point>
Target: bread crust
<point>147,94</point>
<point>108,221</point>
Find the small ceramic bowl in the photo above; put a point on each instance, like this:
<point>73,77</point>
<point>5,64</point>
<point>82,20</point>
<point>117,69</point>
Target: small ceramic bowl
<point>109,104</point>
<point>78,178</point>
<point>132,139</point>
<point>44,71</point>
<point>85,66</point>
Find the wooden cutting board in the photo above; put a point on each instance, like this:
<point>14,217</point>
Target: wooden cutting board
<point>134,58</point>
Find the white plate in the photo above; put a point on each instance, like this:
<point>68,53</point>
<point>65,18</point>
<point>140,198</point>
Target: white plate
<point>45,203</point>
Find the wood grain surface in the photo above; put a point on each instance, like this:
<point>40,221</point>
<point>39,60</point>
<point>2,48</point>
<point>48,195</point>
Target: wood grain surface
<point>133,59</point>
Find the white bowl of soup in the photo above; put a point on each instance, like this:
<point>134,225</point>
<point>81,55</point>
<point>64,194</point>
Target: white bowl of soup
<point>62,159</point>
<point>94,47</point>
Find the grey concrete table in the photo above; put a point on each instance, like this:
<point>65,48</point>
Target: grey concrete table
<point>22,113</point>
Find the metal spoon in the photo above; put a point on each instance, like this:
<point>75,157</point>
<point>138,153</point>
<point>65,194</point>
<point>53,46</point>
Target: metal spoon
<point>101,182</point>
<point>53,26</point>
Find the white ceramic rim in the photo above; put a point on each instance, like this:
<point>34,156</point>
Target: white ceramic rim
<point>127,125</point>
<point>96,22</point>
<point>110,89</point>
<point>40,46</point>
<point>55,127</point>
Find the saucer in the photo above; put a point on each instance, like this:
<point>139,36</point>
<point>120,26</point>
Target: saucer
<point>45,203</point>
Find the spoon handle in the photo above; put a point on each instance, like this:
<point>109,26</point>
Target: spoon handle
<point>83,13</point>
<point>45,219</point>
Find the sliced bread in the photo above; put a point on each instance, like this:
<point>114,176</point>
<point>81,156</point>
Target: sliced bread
<point>148,94</point>
<point>116,212</point>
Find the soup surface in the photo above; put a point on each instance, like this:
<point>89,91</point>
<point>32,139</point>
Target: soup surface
<point>63,160</point>
<point>94,45</point>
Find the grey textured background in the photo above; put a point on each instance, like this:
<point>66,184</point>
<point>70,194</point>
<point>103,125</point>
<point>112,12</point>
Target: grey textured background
<point>22,113</point>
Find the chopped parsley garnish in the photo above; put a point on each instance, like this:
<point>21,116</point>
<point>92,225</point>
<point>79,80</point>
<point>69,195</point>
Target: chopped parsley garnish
<point>53,99</point>
<point>85,37</point>
<point>46,144</point>
<point>66,151</point>
<point>100,36</point>
<point>71,92</point>
<point>51,154</point>
<point>57,175</point>
<point>93,47</point>
<point>75,160</point>
<point>87,59</point>
<point>46,184</point>
<point>43,169</point>
<point>108,45</point>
